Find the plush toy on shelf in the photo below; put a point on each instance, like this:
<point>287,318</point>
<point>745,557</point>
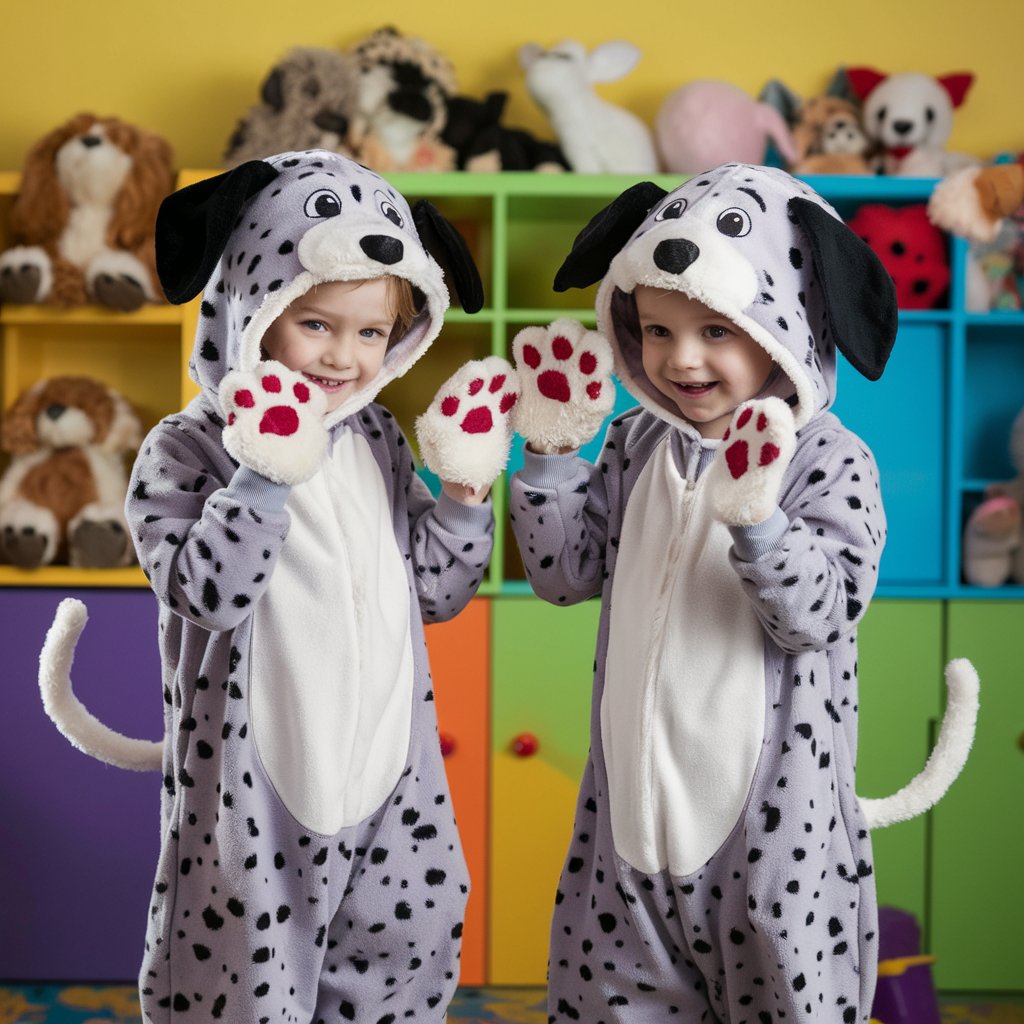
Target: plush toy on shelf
<point>401,104</point>
<point>994,537</point>
<point>308,102</point>
<point>706,123</point>
<point>85,214</point>
<point>910,117</point>
<point>596,136</point>
<point>985,205</point>
<point>482,143</point>
<point>828,138</point>
<point>911,249</point>
<point>62,496</point>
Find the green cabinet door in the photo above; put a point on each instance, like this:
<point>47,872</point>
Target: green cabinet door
<point>978,847</point>
<point>540,734</point>
<point>900,677</point>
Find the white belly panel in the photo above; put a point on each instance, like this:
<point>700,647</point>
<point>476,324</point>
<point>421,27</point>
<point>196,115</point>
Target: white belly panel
<point>682,714</point>
<point>331,663</point>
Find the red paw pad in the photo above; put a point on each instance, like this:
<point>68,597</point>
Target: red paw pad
<point>244,399</point>
<point>554,384</point>
<point>531,357</point>
<point>478,420</point>
<point>507,401</point>
<point>736,455</point>
<point>594,390</point>
<point>282,420</point>
<point>561,347</point>
<point>769,453</point>
<point>588,363</point>
<point>301,392</point>
<point>271,383</point>
<point>496,382</point>
<point>475,385</point>
<point>450,406</point>
<point>744,418</point>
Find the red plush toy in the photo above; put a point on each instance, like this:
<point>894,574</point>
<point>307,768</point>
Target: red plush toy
<point>911,249</point>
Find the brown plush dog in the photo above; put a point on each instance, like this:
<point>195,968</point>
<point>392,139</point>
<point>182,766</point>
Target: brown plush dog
<point>84,217</point>
<point>62,496</point>
<point>829,139</point>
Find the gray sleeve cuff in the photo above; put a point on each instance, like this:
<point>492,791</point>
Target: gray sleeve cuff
<point>463,520</point>
<point>250,488</point>
<point>547,471</point>
<point>754,542</point>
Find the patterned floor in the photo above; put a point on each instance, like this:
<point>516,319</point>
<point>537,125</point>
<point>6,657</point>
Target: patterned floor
<point>119,1004</point>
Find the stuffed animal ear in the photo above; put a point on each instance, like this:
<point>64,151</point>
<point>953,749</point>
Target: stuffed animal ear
<point>193,226</point>
<point>860,296</point>
<point>608,231</point>
<point>956,86</point>
<point>864,81</point>
<point>449,248</point>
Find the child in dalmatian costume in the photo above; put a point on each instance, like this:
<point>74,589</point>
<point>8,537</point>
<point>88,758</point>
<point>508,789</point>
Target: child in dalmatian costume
<point>720,867</point>
<point>310,868</point>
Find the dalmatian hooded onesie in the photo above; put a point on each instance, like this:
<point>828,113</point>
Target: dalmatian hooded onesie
<point>310,869</point>
<point>720,867</point>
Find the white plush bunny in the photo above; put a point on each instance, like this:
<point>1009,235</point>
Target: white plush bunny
<point>596,136</point>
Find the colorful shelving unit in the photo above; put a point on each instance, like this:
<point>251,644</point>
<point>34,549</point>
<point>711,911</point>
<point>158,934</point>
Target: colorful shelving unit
<point>513,674</point>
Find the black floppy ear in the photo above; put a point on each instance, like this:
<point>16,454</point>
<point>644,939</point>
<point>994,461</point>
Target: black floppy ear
<point>449,248</point>
<point>860,296</point>
<point>608,231</point>
<point>193,226</point>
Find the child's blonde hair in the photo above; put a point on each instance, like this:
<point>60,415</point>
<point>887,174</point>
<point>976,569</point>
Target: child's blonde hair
<point>401,300</point>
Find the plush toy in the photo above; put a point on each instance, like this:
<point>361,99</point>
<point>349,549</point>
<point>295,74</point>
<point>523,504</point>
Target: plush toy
<point>308,102</point>
<point>911,249</point>
<point>402,104</point>
<point>910,116</point>
<point>481,143</point>
<point>84,217</point>
<point>595,135</point>
<point>707,122</point>
<point>62,496</point>
<point>993,539</point>
<point>985,205</point>
<point>828,138</point>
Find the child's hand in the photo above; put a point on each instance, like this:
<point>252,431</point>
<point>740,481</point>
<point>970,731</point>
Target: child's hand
<point>745,478</point>
<point>465,495</point>
<point>275,422</point>
<point>465,435</point>
<point>567,387</point>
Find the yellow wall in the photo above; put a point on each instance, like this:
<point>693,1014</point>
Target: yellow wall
<point>190,68</point>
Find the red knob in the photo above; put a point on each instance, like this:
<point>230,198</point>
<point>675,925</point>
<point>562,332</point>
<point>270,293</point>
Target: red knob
<point>525,745</point>
<point>448,744</point>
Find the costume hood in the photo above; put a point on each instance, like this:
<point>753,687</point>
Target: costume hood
<point>762,249</point>
<point>256,238</point>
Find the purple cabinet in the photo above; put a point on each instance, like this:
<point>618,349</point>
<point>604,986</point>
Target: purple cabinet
<point>78,839</point>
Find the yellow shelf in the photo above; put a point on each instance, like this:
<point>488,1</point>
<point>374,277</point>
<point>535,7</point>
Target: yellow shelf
<point>67,576</point>
<point>82,315</point>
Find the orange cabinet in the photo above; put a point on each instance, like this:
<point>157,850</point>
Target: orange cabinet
<point>460,664</point>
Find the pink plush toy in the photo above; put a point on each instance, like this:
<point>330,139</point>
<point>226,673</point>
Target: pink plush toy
<point>707,123</point>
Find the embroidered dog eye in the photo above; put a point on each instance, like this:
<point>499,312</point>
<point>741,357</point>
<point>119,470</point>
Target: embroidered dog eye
<point>673,211</point>
<point>389,210</point>
<point>734,222</point>
<point>323,203</point>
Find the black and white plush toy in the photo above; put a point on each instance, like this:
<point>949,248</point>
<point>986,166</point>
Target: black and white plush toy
<point>720,866</point>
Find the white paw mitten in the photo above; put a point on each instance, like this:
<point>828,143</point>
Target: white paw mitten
<point>565,372</point>
<point>465,434</point>
<point>745,478</point>
<point>275,422</point>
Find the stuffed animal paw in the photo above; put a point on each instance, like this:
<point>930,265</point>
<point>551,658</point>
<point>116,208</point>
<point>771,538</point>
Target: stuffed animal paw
<point>565,371</point>
<point>745,478</point>
<point>465,434</point>
<point>274,422</point>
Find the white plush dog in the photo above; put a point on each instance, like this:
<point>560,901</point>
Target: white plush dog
<point>910,116</point>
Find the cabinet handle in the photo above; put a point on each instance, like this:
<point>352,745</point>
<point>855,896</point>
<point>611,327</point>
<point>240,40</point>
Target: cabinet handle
<point>525,745</point>
<point>448,744</point>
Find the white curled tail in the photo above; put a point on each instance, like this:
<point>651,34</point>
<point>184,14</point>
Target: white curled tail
<point>947,759</point>
<point>72,718</point>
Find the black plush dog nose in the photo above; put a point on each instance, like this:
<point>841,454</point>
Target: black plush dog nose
<point>674,255</point>
<point>55,411</point>
<point>902,127</point>
<point>382,248</point>
<point>91,140</point>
